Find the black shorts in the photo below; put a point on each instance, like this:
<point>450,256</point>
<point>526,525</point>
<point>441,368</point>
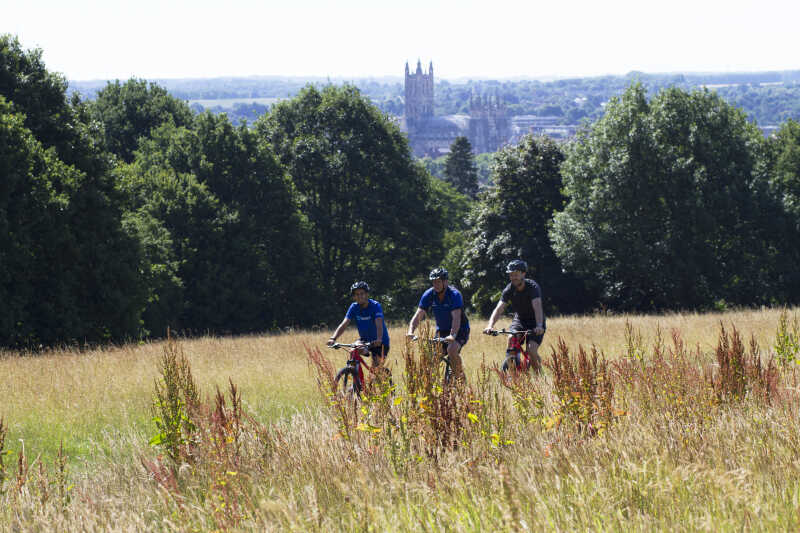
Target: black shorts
<point>520,325</point>
<point>462,337</point>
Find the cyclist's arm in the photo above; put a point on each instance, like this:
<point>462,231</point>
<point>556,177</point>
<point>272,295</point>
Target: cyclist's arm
<point>537,310</point>
<point>455,323</point>
<point>379,330</point>
<point>339,330</point>
<point>498,310</point>
<point>412,326</point>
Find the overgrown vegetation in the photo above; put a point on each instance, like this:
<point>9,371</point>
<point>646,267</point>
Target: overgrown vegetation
<point>642,430</point>
<point>787,339</point>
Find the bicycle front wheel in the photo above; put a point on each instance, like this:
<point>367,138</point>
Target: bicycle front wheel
<point>512,361</point>
<point>345,375</point>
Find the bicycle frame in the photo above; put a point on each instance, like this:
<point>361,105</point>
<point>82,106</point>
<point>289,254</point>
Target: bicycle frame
<point>515,347</point>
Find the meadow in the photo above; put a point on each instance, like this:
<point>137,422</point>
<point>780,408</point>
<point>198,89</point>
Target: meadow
<point>674,424</point>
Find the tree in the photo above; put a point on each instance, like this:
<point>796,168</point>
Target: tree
<point>787,166</point>
<point>453,207</point>
<point>511,221</point>
<point>785,188</point>
<point>63,278</point>
<point>33,90</point>
<point>132,110</point>
<point>667,204</point>
<point>367,203</point>
<point>459,167</point>
<point>225,247</point>
<point>82,268</point>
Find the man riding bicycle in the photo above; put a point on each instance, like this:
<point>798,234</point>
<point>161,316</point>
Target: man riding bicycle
<point>368,315</point>
<point>525,297</point>
<point>447,305</point>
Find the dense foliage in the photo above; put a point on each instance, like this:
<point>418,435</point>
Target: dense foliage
<point>68,271</point>
<point>511,222</point>
<point>363,196</point>
<point>460,169</point>
<point>131,212</point>
<point>669,205</point>
<point>131,110</point>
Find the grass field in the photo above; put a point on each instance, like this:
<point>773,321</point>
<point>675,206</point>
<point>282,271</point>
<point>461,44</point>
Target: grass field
<point>662,439</point>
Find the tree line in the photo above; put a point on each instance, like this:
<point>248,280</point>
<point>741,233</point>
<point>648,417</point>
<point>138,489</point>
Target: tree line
<point>128,213</point>
<point>768,98</point>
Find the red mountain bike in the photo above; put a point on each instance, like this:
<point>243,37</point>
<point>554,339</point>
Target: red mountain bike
<point>515,354</point>
<point>354,368</point>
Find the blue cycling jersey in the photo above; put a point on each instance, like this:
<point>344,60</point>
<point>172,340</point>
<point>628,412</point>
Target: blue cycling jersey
<point>365,320</point>
<point>442,309</point>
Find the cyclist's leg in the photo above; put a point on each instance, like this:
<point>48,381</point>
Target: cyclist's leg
<point>454,353</point>
<point>379,356</point>
<point>532,345</point>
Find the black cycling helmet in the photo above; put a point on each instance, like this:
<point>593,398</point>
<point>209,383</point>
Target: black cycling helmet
<point>517,264</point>
<point>437,273</point>
<point>359,285</point>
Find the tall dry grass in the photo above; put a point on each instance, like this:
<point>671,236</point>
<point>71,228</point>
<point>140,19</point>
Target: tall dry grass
<point>663,449</point>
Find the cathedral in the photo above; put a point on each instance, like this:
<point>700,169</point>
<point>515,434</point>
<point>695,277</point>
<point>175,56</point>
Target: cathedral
<point>487,126</point>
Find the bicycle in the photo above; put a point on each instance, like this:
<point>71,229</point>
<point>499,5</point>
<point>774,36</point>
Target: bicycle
<point>515,350</point>
<point>354,368</point>
<point>442,342</point>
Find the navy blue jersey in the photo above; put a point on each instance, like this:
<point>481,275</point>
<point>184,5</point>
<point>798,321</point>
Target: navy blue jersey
<point>442,309</point>
<point>365,320</point>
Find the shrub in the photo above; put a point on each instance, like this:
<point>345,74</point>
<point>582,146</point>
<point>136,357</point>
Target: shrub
<point>741,372</point>
<point>787,339</point>
<point>583,387</point>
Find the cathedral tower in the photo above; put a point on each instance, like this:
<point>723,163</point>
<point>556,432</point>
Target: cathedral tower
<point>419,95</point>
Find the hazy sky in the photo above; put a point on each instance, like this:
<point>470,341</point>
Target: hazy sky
<point>108,39</point>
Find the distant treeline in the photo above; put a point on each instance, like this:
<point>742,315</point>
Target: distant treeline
<point>767,98</point>
<point>128,212</point>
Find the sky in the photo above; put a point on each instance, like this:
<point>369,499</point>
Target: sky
<point>154,39</point>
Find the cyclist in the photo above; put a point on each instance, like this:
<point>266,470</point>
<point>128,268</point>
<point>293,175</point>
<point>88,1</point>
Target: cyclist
<point>447,305</point>
<point>368,315</point>
<point>525,296</point>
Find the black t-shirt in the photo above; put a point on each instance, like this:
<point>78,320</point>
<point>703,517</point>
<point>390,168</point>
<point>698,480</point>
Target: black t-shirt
<point>522,301</point>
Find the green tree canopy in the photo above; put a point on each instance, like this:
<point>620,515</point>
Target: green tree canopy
<point>132,110</point>
<point>787,166</point>
<point>67,271</point>
<point>85,284</point>
<point>225,249</point>
<point>459,167</point>
<point>366,201</point>
<point>785,186</point>
<point>667,203</point>
<point>511,222</point>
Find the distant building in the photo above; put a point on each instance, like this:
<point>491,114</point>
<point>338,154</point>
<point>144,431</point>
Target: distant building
<point>487,126</point>
<point>539,125</point>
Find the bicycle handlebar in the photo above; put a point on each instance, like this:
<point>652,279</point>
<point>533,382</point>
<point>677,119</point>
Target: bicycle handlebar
<point>496,332</point>
<point>443,340</point>
<point>338,345</point>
